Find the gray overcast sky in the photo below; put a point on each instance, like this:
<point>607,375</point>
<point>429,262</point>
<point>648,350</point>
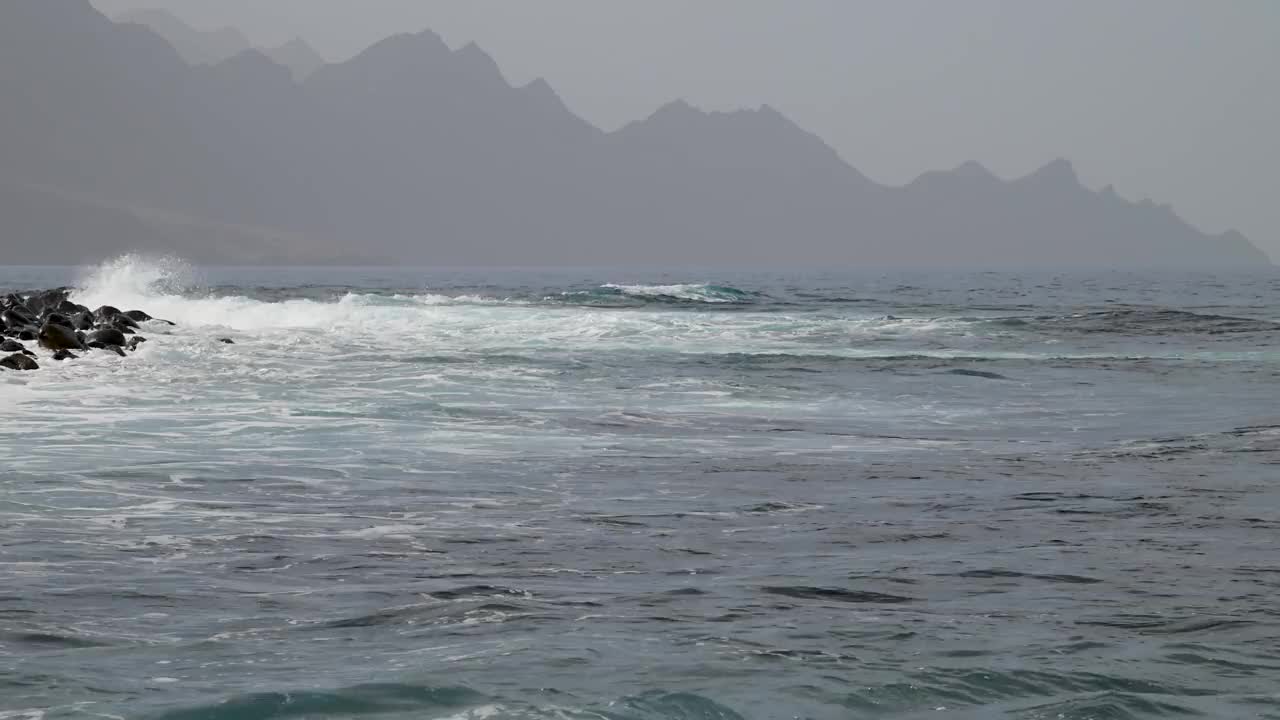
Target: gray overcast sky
<point>1175,100</point>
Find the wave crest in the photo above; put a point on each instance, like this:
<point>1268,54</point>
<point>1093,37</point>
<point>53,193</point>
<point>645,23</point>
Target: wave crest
<point>134,280</point>
<point>687,292</point>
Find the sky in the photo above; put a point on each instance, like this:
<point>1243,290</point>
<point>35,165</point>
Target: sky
<point>1172,100</point>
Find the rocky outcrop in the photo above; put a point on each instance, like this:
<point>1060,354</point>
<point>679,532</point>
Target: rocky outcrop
<point>61,326</point>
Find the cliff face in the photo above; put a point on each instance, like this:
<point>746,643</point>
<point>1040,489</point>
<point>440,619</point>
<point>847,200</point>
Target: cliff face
<point>413,152</point>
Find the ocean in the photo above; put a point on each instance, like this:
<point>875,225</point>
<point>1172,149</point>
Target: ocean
<point>626,495</point>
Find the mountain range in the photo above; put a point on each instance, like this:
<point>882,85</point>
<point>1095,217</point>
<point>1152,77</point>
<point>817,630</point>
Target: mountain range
<point>210,47</point>
<point>140,134</point>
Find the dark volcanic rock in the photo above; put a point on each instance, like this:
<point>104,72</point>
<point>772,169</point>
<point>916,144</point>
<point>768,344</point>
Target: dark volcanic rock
<point>48,300</point>
<point>62,326</point>
<point>68,308</point>
<point>123,321</point>
<point>59,319</point>
<point>106,336</point>
<point>18,361</point>
<point>17,317</point>
<point>59,337</point>
<point>106,312</point>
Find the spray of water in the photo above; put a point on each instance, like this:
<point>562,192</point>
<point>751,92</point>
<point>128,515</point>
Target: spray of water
<point>135,281</point>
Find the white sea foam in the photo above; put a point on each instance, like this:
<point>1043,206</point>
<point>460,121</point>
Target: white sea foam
<point>455,379</point>
<point>694,292</point>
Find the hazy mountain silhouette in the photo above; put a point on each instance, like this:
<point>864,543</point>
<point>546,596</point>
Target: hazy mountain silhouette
<point>197,47</point>
<point>298,56</point>
<point>200,47</point>
<point>415,153</point>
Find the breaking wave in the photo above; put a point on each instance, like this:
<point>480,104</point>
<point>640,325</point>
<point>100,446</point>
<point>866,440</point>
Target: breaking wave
<point>679,294</point>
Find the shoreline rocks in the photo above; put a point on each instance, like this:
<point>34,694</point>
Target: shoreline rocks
<point>66,329</point>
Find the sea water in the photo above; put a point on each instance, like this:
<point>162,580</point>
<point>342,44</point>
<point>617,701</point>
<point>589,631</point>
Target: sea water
<point>416,493</point>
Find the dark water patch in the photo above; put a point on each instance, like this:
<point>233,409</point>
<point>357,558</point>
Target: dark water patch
<point>1014,575</point>
<point>956,688</point>
<point>909,537</point>
<point>780,507</point>
<point>477,591</point>
<point>885,578</point>
<point>837,595</point>
<point>431,618</point>
<point>965,372</point>
<point>1041,496</point>
<point>1202,625</point>
<point>1081,646</point>
<point>481,597</point>
<point>1259,439</point>
<point>615,521</point>
<point>1200,659</point>
<point>650,520</point>
<point>488,540</point>
<point>839,300</point>
<point>396,616</point>
<point>1254,429</point>
<point>1160,625</point>
<point>688,551</point>
<point>54,640</point>
<point>679,592</point>
<point>1107,706</point>
<point>1147,322</point>
<point>372,699</point>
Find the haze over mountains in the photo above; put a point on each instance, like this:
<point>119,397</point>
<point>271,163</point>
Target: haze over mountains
<point>114,139</point>
<point>211,47</point>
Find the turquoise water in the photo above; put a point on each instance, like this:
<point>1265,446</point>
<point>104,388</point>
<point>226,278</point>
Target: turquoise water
<point>603,494</point>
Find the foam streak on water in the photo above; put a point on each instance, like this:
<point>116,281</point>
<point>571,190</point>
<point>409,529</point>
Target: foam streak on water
<point>601,494</point>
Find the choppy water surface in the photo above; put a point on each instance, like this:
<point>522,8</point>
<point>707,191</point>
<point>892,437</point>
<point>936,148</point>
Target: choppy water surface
<point>419,494</point>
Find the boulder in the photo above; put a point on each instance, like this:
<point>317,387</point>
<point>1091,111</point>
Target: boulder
<point>106,312</point>
<point>47,301</point>
<point>18,361</point>
<point>59,337</point>
<point>106,336</point>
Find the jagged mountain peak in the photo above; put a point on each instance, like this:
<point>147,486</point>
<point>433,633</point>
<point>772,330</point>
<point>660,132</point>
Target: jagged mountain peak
<point>1059,171</point>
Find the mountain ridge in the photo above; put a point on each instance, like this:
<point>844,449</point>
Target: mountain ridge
<point>211,47</point>
<point>413,152</point>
